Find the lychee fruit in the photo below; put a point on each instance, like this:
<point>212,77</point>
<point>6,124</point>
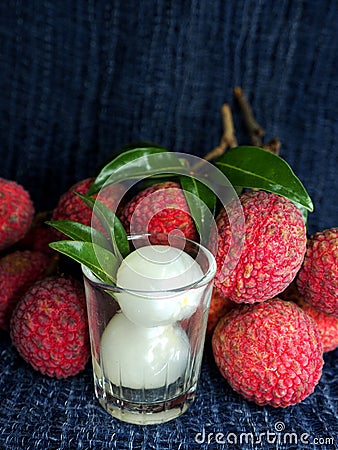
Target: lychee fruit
<point>16,212</point>
<point>318,277</point>
<point>39,236</point>
<point>327,325</point>
<point>159,209</point>
<point>49,327</point>
<point>219,306</point>
<point>72,207</point>
<point>273,247</point>
<point>270,353</point>
<point>18,271</point>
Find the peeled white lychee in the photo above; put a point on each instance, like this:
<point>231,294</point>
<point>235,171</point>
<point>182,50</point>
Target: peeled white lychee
<point>157,287</point>
<point>143,358</point>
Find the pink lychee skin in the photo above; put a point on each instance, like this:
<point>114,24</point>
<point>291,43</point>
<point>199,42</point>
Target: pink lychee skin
<point>318,277</point>
<point>18,271</point>
<point>273,248</point>
<point>49,327</point>
<point>159,209</point>
<point>327,325</point>
<point>71,207</point>
<point>270,353</point>
<point>16,212</point>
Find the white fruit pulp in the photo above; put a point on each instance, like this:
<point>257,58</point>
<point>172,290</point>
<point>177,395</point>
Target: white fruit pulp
<point>143,346</point>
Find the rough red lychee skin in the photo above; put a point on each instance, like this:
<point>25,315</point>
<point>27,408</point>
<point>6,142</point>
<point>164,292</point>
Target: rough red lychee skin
<point>270,353</point>
<point>219,306</point>
<point>318,277</point>
<point>72,207</point>
<point>16,212</point>
<point>39,236</point>
<point>18,271</point>
<point>49,327</point>
<point>159,209</point>
<point>272,252</point>
<point>327,325</point>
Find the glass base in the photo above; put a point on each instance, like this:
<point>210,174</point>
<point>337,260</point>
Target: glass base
<point>148,413</point>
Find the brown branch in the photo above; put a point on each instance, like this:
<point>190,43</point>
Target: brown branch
<point>273,146</point>
<point>255,131</point>
<point>228,139</point>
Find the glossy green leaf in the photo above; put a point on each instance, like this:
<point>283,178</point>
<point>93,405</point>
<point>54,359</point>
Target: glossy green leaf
<point>140,145</point>
<point>254,167</point>
<point>80,232</point>
<point>135,163</point>
<point>111,225</point>
<point>100,261</point>
<point>202,202</point>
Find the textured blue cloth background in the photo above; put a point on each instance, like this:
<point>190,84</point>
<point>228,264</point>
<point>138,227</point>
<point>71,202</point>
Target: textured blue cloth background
<point>80,79</point>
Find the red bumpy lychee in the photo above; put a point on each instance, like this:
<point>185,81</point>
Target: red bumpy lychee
<point>318,277</point>
<point>49,327</point>
<point>72,207</point>
<point>159,209</point>
<point>327,323</point>
<point>39,236</point>
<point>270,352</point>
<point>18,271</point>
<point>16,212</point>
<point>271,248</point>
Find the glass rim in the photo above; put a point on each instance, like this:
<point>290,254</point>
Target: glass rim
<point>204,280</point>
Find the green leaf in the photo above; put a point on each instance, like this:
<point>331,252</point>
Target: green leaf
<point>140,145</point>
<point>100,261</point>
<point>80,232</point>
<point>136,163</point>
<point>202,202</point>
<point>111,225</point>
<point>254,167</point>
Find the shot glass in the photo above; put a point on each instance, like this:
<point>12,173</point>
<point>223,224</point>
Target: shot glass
<point>147,345</point>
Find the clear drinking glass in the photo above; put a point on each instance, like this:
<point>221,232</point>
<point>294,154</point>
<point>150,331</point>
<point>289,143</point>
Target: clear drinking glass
<point>147,346</point>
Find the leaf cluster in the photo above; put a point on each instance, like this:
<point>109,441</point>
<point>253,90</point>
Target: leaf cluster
<point>243,166</point>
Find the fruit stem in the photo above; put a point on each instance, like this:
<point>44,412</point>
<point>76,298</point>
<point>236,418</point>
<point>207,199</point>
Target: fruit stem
<point>256,132</point>
<point>254,129</point>
<point>273,146</point>
<point>228,139</point>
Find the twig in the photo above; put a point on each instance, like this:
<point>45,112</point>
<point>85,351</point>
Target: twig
<point>255,131</point>
<point>273,146</point>
<point>228,139</point>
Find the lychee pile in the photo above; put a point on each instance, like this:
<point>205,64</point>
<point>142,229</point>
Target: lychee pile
<point>268,349</point>
<point>44,311</point>
<point>274,306</point>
